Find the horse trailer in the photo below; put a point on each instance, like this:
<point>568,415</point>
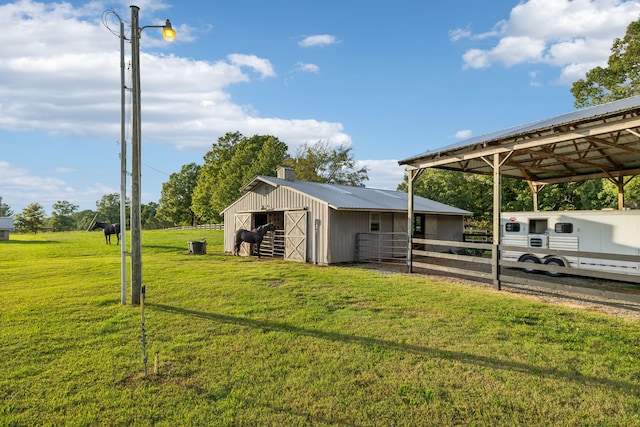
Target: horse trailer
<point>606,240</point>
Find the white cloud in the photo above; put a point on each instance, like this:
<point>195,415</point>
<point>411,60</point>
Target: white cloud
<point>57,82</point>
<point>260,65</point>
<point>572,35</point>
<point>308,68</point>
<point>463,134</point>
<point>383,174</point>
<point>318,40</point>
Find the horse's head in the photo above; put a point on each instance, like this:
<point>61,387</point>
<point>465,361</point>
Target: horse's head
<point>269,227</point>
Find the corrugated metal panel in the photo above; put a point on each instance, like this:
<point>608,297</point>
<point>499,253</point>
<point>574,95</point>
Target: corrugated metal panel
<point>267,198</point>
<point>341,212</point>
<point>591,113</point>
<point>6,223</point>
<point>356,198</point>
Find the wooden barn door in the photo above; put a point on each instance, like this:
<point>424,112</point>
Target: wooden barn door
<point>295,235</point>
<point>242,220</point>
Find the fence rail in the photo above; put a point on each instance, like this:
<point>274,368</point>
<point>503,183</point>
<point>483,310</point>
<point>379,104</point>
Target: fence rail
<point>382,247</point>
<point>198,227</point>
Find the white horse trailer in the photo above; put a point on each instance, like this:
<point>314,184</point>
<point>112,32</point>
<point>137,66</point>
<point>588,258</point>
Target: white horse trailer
<point>606,240</point>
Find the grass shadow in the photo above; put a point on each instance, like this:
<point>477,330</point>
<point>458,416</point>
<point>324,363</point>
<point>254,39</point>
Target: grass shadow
<point>482,361</point>
<point>27,242</point>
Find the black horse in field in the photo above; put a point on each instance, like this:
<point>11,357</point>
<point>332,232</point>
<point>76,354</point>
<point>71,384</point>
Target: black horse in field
<point>109,229</point>
<point>253,236</point>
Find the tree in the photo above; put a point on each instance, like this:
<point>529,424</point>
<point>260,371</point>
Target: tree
<point>31,219</point>
<point>176,197</point>
<point>149,216</point>
<point>463,190</point>
<point>62,217</point>
<point>619,80</point>
<point>5,210</point>
<point>322,163</point>
<point>83,219</point>
<point>230,164</point>
<point>109,208</point>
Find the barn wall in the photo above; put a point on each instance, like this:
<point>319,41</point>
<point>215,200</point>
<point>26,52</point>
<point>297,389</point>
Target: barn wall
<point>266,198</point>
<point>342,234</point>
<point>335,239</point>
<point>451,227</point>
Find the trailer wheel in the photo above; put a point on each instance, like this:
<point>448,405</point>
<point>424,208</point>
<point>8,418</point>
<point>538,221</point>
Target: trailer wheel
<point>531,259</point>
<point>554,261</point>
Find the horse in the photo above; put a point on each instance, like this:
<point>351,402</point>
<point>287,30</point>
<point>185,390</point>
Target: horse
<point>254,236</point>
<point>109,229</point>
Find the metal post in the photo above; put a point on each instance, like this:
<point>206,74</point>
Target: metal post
<point>136,136</point>
<point>410,177</point>
<point>123,176</point>
<point>497,196</point>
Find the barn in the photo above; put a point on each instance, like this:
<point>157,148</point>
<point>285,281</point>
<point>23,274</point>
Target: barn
<point>6,227</point>
<point>319,222</point>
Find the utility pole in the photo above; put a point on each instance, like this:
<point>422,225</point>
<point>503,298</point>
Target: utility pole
<point>136,136</point>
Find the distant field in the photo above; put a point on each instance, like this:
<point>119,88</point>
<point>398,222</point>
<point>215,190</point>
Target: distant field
<point>244,342</point>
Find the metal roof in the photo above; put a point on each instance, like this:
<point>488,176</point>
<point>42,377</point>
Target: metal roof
<point>596,142</point>
<point>344,197</point>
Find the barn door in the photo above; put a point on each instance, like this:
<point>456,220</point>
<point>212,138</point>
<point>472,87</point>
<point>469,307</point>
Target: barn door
<point>242,220</point>
<point>295,236</point>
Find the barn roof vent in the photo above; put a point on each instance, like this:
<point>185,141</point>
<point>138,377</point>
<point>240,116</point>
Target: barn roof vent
<point>286,173</point>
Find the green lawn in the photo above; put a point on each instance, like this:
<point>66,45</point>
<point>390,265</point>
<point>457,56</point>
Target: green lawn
<point>244,342</point>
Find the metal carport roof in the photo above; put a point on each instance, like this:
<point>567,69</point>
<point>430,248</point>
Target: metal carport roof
<point>596,142</point>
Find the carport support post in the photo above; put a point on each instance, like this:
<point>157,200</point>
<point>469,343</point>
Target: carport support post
<point>497,196</point>
<point>411,175</point>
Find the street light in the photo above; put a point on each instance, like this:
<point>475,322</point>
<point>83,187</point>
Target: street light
<point>169,34</point>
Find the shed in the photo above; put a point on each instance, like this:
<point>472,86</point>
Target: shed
<point>6,227</point>
<point>319,222</point>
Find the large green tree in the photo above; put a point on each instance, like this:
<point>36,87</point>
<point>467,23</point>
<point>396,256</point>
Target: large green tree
<point>31,219</point>
<point>321,162</point>
<point>176,198</point>
<point>619,79</point>
<point>62,217</point>
<point>109,208</point>
<point>232,162</point>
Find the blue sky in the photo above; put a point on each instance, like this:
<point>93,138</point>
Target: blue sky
<point>391,79</point>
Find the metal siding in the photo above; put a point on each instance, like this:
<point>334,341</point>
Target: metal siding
<point>344,227</point>
<point>338,228</point>
<point>265,198</point>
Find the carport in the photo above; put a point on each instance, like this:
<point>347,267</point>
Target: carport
<point>592,143</point>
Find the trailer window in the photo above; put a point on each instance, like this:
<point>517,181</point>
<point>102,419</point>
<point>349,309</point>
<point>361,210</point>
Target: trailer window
<point>512,227</point>
<point>564,227</point>
<point>537,226</point>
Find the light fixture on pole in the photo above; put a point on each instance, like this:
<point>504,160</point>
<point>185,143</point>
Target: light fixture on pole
<point>169,34</point>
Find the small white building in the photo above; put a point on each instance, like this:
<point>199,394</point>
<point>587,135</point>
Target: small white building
<point>6,227</point>
<point>319,222</point>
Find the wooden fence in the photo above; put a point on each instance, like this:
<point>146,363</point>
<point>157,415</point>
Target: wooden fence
<point>494,270</point>
<point>198,227</point>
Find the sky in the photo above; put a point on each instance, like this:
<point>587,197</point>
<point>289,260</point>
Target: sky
<point>390,79</point>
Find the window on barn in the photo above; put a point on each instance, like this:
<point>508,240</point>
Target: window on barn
<point>374,221</point>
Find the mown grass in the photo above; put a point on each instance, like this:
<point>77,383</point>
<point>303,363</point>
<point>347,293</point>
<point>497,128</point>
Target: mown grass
<point>240,341</point>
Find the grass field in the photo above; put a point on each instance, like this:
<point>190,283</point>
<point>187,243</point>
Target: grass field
<point>240,342</point>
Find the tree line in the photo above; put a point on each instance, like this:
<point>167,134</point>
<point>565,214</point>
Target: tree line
<point>198,193</point>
